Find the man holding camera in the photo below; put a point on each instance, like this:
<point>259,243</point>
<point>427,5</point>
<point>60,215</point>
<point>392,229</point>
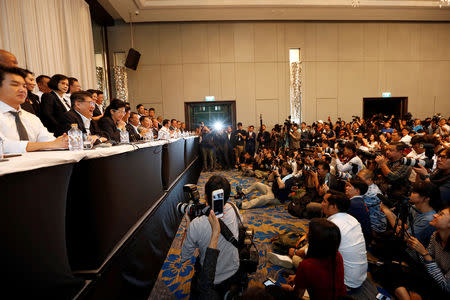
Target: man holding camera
<point>440,177</point>
<point>295,136</point>
<point>283,182</point>
<point>353,165</point>
<point>395,174</point>
<point>198,235</point>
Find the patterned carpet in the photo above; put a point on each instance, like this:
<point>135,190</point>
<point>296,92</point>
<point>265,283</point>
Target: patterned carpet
<point>175,277</point>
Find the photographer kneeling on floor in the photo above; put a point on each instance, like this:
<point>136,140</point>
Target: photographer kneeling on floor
<point>198,235</point>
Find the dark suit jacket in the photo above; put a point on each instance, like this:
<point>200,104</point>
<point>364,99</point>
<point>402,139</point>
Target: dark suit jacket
<point>72,117</point>
<point>52,111</point>
<point>97,111</point>
<point>109,129</point>
<point>31,104</point>
<point>134,136</point>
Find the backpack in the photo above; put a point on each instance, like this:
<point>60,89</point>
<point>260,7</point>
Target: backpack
<point>281,243</point>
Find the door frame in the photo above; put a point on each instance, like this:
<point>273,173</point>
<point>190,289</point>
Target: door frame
<point>187,117</point>
<point>403,101</point>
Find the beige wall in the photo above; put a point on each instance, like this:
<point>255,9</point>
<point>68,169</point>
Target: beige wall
<point>248,62</point>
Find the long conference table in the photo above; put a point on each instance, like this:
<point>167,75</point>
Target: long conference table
<point>92,224</point>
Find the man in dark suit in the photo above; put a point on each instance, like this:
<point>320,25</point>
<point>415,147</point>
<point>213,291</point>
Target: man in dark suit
<point>81,114</point>
<point>227,147</point>
<point>250,145</point>
<point>132,127</point>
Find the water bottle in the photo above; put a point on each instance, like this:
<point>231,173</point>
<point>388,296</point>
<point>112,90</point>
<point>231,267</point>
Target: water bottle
<point>124,137</point>
<point>1,149</point>
<point>75,138</point>
<point>148,136</point>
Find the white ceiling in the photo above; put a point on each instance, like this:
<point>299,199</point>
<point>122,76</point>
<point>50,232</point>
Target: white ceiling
<point>225,10</point>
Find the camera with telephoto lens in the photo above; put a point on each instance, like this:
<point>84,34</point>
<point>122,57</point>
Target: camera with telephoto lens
<point>343,175</point>
<point>416,163</point>
<point>192,205</point>
<point>309,168</point>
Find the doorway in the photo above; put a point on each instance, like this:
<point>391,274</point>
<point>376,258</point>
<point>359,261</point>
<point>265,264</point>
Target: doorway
<point>210,113</point>
<point>397,106</point>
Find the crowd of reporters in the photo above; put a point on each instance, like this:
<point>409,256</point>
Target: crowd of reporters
<point>384,181</point>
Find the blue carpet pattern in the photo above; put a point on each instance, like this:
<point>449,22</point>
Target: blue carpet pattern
<point>175,277</point>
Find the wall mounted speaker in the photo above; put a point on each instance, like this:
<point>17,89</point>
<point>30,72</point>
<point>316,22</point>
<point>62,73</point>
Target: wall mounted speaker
<point>132,59</point>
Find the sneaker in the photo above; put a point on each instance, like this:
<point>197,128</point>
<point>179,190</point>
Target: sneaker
<point>280,260</point>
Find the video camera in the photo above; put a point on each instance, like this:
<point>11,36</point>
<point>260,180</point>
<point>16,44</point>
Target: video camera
<point>192,205</point>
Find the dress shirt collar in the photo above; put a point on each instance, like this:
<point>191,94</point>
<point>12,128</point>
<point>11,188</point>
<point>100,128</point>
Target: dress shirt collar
<point>338,215</point>
<point>86,121</point>
<point>4,108</point>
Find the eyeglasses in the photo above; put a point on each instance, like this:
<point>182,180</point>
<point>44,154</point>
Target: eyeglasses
<point>119,111</point>
<point>91,103</point>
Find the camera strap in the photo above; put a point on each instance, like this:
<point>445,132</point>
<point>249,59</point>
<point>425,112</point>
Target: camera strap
<point>236,212</point>
<point>227,234</point>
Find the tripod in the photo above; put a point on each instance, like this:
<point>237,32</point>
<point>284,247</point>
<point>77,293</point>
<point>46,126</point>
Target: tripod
<point>403,215</point>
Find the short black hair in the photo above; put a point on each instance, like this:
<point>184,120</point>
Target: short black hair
<point>429,190</point>
<point>350,146</point>
<point>417,139</point>
<point>360,185</point>
<point>239,124</point>
<point>339,199</point>
<point>115,104</point>
<point>26,72</point>
<point>217,182</point>
<point>40,78</point>
<point>139,106</point>
<point>79,96</point>
<point>151,108</point>
<point>165,121</point>
<point>142,118</point>
<point>4,71</point>
<point>99,92</point>
<point>53,83</point>
<point>72,80</point>
<point>400,146</point>
<point>324,165</point>
<point>172,120</point>
<point>92,91</point>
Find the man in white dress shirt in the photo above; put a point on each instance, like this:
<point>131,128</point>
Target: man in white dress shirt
<point>353,246</point>
<point>165,133</point>
<point>20,130</point>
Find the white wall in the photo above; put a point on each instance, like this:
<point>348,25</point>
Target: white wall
<point>248,62</point>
